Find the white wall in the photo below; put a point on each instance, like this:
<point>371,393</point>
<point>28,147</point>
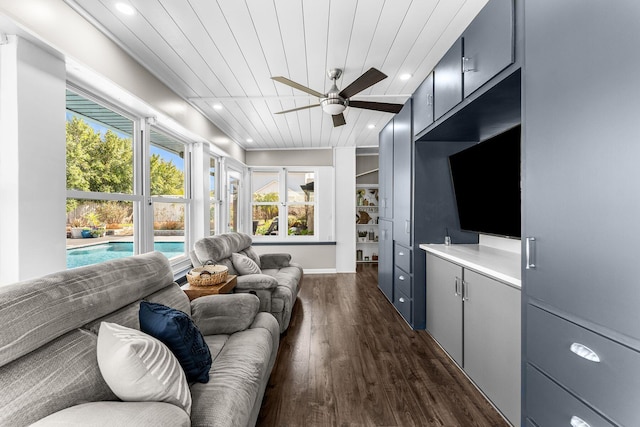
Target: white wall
<point>32,163</point>
<point>345,175</point>
<point>315,259</point>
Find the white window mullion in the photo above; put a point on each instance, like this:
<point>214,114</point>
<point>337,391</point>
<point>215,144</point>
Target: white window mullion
<point>283,219</point>
<point>144,226</point>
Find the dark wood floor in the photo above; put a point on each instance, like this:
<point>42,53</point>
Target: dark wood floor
<point>349,359</point>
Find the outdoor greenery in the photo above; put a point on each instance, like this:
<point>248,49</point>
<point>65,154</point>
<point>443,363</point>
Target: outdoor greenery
<point>104,163</point>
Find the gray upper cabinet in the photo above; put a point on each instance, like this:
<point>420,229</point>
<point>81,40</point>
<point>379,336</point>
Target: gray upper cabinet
<point>423,105</point>
<point>488,44</point>
<point>402,175</point>
<point>447,80</point>
<point>385,172</point>
<point>581,172</point>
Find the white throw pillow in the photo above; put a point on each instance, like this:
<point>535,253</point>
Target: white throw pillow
<point>140,368</point>
<point>244,265</point>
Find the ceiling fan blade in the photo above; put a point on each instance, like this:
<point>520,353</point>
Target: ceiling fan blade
<point>338,120</point>
<point>368,79</point>
<point>377,106</point>
<point>298,86</point>
<point>299,108</point>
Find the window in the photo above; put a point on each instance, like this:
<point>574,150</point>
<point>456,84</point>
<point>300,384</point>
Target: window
<point>283,202</point>
<point>213,201</point>
<point>100,182</point>
<point>123,198</point>
<point>167,170</point>
<point>233,192</point>
<point>265,200</point>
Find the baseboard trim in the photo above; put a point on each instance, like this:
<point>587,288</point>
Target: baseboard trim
<point>320,271</point>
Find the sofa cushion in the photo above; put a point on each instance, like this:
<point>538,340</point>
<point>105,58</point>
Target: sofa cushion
<point>138,367</point>
<point>171,296</point>
<point>224,314</point>
<point>118,414</point>
<point>251,253</point>
<point>244,265</point>
<point>238,376</point>
<point>217,248</point>
<point>55,376</point>
<point>178,332</point>
<point>55,304</point>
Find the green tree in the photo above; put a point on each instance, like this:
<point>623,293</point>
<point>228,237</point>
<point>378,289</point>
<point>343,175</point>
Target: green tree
<point>95,163</point>
<point>104,163</point>
<point>166,178</point>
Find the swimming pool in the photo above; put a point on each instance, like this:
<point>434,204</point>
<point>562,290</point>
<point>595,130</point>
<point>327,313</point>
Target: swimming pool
<point>94,254</point>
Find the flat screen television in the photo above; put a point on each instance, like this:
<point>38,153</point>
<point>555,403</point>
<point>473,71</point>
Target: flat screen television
<point>486,181</point>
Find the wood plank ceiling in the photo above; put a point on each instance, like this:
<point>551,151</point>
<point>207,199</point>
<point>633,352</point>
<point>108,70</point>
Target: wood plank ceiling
<point>222,53</point>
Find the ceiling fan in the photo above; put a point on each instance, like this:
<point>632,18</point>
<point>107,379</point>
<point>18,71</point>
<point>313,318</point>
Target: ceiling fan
<point>335,101</point>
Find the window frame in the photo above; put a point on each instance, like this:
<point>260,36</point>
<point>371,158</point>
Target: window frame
<point>284,203</point>
<point>186,199</point>
<point>141,198</point>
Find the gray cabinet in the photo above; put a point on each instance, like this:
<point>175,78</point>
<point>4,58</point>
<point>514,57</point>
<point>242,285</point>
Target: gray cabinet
<point>476,320</point>
<point>403,282</point>
<point>580,186</point>
<point>402,175</point>
<point>551,405</point>
<point>444,305</point>
<point>423,105</point>
<point>385,171</point>
<point>385,258</point>
<point>447,80</point>
<point>492,340</point>
<point>488,44</point>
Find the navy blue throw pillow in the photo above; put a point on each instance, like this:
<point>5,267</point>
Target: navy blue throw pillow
<point>178,332</point>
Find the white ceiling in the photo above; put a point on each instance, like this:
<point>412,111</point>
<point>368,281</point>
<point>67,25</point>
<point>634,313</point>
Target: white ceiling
<point>224,52</point>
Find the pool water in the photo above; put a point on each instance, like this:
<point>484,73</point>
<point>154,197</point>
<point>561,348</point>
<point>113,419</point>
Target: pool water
<point>94,254</point>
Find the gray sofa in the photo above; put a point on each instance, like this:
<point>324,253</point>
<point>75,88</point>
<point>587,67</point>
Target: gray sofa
<point>49,372</point>
<point>278,284</point>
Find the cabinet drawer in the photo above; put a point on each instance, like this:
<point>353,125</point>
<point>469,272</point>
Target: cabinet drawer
<point>403,258</point>
<point>403,304</point>
<point>403,282</point>
<point>612,385</point>
<point>550,405</point>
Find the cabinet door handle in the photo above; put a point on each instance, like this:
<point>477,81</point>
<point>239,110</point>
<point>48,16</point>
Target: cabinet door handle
<point>465,290</point>
<point>530,253</point>
<point>429,100</point>
<point>468,64</point>
<point>401,299</point>
<point>400,253</point>
<point>584,352</point>
<point>407,226</point>
<point>456,288</point>
<point>401,277</point>
<point>579,422</point>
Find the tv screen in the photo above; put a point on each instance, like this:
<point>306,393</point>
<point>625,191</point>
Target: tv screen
<point>486,181</point>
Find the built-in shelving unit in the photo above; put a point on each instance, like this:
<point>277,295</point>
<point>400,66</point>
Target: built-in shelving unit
<point>367,202</point>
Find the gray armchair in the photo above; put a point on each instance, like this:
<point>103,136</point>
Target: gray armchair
<point>276,286</point>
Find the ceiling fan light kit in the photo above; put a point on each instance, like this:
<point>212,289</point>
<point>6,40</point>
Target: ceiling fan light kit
<point>336,101</point>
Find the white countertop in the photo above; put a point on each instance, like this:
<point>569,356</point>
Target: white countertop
<point>499,264</point>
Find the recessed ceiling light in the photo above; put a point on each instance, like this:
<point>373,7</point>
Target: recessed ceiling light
<point>249,140</point>
<point>125,8</point>
<point>405,76</point>
<point>371,126</point>
<point>217,107</point>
